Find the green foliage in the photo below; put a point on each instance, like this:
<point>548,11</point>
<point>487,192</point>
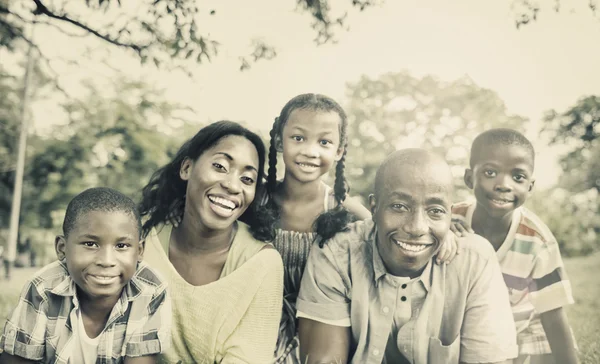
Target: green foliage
<point>116,141</point>
<point>398,111</point>
<point>578,129</point>
<point>572,218</point>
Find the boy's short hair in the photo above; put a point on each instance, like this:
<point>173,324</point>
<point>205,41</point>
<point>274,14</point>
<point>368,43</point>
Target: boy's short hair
<point>502,136</point>
<point>99,199</point>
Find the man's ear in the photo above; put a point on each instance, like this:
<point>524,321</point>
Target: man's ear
<point>468,178</point>
<point>372,204</point>
<point>141,248</point>
<point>185,169</point>
<point>60,245</point>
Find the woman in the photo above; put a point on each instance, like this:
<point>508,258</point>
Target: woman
<point>226,284</point>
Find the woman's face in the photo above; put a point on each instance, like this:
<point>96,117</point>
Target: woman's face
<point>221,182</point>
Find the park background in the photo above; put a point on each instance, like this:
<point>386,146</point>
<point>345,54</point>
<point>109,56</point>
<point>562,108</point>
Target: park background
<point>116,86</point>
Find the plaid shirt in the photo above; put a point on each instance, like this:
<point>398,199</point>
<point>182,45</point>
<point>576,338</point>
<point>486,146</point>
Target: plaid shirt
<point>40,327</point>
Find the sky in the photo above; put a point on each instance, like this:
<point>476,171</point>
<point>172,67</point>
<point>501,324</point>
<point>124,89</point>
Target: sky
<point>547,64</point>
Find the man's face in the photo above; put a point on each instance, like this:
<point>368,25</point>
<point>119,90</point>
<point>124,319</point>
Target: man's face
<point>412,212</point>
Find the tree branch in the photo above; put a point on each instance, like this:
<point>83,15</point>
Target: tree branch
<point>42,9</point>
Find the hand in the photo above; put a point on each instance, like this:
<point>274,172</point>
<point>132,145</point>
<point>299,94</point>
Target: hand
<point>448,250</point>
<point>460,228</point>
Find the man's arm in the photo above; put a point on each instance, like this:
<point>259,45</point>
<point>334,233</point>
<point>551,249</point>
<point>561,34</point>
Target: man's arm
<point>559,336</point>
<point>323,343</point>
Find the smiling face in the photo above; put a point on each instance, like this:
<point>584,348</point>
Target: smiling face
<point>221,182</point>
<point>411,210</point>
<point>101,253</point>
<point>501,178</point>
<point>311,143</point>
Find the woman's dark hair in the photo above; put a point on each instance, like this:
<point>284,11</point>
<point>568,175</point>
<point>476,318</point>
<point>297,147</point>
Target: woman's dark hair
<point>163,198</point>
<point>330,222</point>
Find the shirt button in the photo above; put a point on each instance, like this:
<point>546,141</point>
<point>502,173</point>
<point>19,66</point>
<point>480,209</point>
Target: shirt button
<point>375,352</point>
<point>404,286</point>
<point>386,310</point>
<point>403,298</point>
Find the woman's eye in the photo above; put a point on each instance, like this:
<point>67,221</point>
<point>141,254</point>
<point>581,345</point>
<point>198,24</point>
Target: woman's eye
<point>218,166</point>
<point>248,180</point>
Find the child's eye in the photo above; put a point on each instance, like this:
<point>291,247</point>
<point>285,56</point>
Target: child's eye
<point>219,166</point>
<point>122,246</point>
<point>325,142</point>
<point>89,244</point>
<point>519,178</point>
<point>298,138</point>
<point>247,180</point>
<point>489,173</point>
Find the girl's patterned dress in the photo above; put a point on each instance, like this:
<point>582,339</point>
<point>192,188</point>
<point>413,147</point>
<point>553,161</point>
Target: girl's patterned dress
<point>294,248</point>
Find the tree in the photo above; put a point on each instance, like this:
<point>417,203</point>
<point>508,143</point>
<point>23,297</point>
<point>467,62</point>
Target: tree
<point>158,31</point>
<point>115,141</point>
<point>578,130</point>
<point>398,110</point>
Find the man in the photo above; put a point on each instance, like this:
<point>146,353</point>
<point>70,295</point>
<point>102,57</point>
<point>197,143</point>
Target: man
<point>373,295</point>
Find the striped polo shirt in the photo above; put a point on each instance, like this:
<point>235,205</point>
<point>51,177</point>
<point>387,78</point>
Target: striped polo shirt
<point>533,271</point>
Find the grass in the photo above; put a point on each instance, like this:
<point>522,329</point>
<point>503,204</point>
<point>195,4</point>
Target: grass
<point>584,315</point>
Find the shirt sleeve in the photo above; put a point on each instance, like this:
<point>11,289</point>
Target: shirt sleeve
<point>152,333</point>
<point>549,286</point>
<point>488,332</point>
<point>24,333</point>
<point>253,340</point>
<point>323,292</point>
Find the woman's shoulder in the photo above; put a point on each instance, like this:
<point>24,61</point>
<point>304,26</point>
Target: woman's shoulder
<point>245,248</point>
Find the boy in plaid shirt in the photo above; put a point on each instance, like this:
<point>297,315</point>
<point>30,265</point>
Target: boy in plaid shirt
<point>99,303</point>
<point>501,177</point>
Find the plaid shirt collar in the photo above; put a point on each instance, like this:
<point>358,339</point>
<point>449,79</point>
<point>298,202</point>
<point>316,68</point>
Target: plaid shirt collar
<point>68,288</point>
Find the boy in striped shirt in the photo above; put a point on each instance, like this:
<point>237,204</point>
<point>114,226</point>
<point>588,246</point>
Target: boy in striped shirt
<point>501,177</point>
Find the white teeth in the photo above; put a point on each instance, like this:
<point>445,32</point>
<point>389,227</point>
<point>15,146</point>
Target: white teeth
<point>223,202</point>
<point>411,247</point>
<point>307,165</point>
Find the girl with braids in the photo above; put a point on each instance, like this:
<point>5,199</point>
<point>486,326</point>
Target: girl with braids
<point>226,284</point>
<point>311,133</point>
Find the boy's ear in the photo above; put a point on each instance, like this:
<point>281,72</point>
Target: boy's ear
<point>468,178</point>
<point>372,204</point>
<point>185,169</point>
<point>60,244</point>
<point>531,185</point>
<point>141,248</point>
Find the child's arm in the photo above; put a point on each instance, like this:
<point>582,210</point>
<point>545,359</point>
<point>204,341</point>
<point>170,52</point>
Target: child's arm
<point>11,359</point>
<point>353,205</point>
<point>448,250</point>
<point>559,336</point>
<point>461,228</point>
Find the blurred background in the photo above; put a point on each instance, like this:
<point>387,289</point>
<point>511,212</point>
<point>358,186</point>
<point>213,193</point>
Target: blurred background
<point>107,90</point>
